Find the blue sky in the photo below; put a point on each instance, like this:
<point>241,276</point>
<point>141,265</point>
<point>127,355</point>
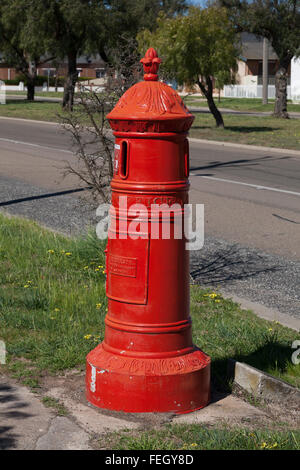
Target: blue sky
<point>197,2</point>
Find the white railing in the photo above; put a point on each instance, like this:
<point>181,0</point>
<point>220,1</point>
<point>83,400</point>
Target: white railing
<point>250,91</point>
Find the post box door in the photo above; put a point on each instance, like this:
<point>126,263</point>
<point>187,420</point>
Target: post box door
<point>127,270</point>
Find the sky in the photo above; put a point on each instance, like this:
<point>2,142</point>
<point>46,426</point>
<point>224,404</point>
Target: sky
<point>197,2</point>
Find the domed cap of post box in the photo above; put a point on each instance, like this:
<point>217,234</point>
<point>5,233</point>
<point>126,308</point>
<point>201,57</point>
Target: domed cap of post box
<point>150,106</point>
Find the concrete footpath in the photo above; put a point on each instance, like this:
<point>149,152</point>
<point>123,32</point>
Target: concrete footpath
<point>26,424</point>
<point>69,422</point>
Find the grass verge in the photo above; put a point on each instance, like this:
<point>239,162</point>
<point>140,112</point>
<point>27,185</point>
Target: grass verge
<point>250,130</point>
<point>53,304</point>
<point>38,111</point>
<point>240,104</point>
<point>199,437</point>
<point>47,94</point>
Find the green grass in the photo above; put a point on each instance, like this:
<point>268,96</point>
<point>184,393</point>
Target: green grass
<point>250,130</point>
<point>47,94</point>
<point>240,104</point>
<point>224,331</point>
<point>53,304</point>
<point>49,301</point>
<point>198,437</point>
<point>55,404</point>
<point>39,111</point>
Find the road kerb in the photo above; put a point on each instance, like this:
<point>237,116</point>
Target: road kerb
<point>263,385</point>
<point>295,153</point>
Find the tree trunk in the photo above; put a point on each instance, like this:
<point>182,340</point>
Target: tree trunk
<point>69,88</point>
<point>30,89</point>
<point>280,109</point>
<point>208,93</point>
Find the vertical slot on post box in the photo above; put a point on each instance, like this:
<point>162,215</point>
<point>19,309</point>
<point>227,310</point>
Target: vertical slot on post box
<point>186,159</point>
<point>124,160</point>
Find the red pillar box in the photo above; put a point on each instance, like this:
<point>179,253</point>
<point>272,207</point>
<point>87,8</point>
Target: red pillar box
<point>147,361</point>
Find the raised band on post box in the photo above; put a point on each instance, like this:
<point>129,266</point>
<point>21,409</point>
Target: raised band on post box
<point>147,361</point>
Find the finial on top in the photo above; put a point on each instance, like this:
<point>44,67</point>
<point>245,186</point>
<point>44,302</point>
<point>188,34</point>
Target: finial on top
<point>151,63</point>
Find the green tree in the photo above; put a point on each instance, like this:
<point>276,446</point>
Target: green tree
<point>279,22</point>
<point>198,48</point>
<point>20,44</point>
<point>73,27</point>
<point>124,19</point>
<point>96,26</point>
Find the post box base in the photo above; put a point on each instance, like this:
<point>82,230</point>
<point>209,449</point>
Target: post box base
<point>178,384</point>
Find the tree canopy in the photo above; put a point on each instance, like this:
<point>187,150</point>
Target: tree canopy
<point>197,48</point>
<point>22,45</point>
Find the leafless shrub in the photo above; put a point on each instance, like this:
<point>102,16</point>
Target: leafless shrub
<point>92,138</point>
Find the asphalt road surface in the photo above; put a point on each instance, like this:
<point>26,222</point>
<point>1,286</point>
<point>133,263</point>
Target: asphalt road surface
<point>251,200</point>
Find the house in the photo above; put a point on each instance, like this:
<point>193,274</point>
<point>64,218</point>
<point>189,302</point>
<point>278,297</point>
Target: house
<point>88,66</point>
<point>249,75</point>
<point>250,63</point>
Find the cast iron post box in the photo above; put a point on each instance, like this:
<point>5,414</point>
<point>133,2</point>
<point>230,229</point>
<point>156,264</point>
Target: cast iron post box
<point>147,361</point>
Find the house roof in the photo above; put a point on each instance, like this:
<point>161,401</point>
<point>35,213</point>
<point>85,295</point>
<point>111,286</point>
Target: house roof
<point>252,47</point>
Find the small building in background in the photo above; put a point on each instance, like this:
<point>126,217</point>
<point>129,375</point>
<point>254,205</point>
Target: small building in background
<point>250,63</point>
<point>88,66</point>
<point>249,75</point>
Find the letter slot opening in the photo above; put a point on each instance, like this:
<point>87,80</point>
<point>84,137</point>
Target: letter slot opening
<point>124,160</point>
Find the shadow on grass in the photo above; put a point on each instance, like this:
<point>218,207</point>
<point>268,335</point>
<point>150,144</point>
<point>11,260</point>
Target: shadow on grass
<point>249,129</point>
<point>241,129</point>
<point>271,355</point>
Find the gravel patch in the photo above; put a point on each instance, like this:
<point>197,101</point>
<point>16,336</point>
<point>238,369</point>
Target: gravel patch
<point>251,274</point>
<point>65,213</point>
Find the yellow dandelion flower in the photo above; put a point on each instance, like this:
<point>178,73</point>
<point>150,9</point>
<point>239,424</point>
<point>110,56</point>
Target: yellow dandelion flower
<point>97,269</point>
<point>68,254</point>
<point>213,295</point>
<point>217,301</point>
<point>87,336</point>
<point>270,329</point>
<point>51,252</point>
<point>26,286</point>
<point>56,310</point>
<point>86,267</point>
<point>98,306</point>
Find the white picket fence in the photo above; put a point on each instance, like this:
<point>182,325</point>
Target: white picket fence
<point>22,87</point>
<point>250,91</point>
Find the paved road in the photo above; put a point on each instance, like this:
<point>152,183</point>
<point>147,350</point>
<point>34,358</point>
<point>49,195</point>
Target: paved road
<point>252,210</point>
